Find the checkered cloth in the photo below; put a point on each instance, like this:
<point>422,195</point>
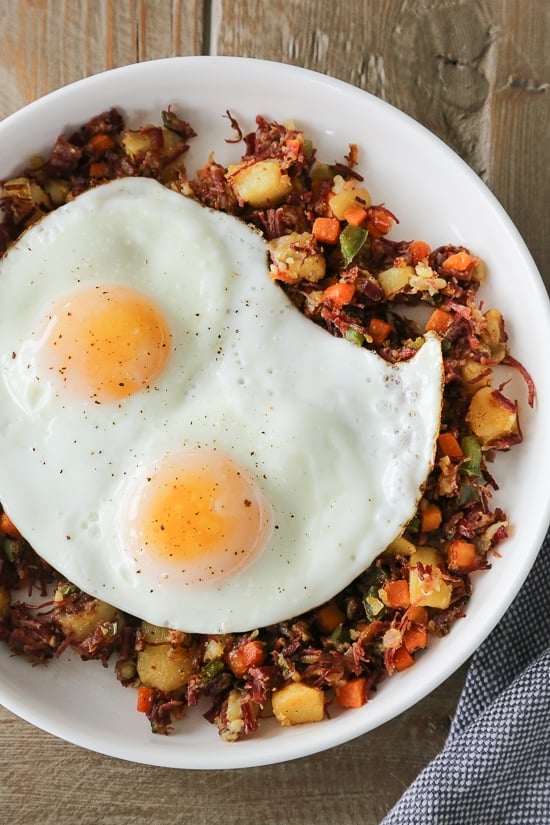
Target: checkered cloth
<point>495,766</point>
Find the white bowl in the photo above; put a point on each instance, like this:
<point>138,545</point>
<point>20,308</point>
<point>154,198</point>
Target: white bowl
<point>437,198</point>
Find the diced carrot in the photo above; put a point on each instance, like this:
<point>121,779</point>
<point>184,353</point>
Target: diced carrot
<point>352,694</point>
<point>397,594</point>
<point>246,656</point>
<point>281,275</point>
<point>418,614</point>
<point>99,169</point>
<point>326,230</point>
<point>371,631</point>
<point>461,555</point>
<point>459,262</point>
<point>449,446</point>
<point>144,699</point>
<point>415,638</point>
<point>294,144</point>
<point>430,518</point>
<point>439,321</point>
<point>419,251</point>
<point>355,215</point>
<point>380,220</point>
<point>8,528</point>
<point>339,294</point>
<point>101,142</point>
<point>402,659</point>
<point>379,330</point>
<point>328,617</point>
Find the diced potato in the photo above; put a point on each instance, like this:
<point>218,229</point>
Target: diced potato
<point>171,174</point>
<point>79,625</point>
<point>126,671</point>
<point>490,419</point>
<point>260,184</point>
<point>140,141</point>
<point>495,325</point>
<point>57,191</point>
<point>28,199</point>
<point>214,649</point>
<point>40,198</point>
<point>154,634</point>
<point>475,375</point>
<point>344,200</point>
<point>297,703</point>
<point>164,667</point>
<point>479,271</point>
<point>171,138</point>
<point>313,300</point>
<point>295,257</point>
<point>485,541</point>
<point>426,280</point>
<point>496,334</point>
<point>136,143</point>
<point>395,278</point>
<point>35,162</point>
<point>401,547</point>
<point>233,724</point>
<point>4,603</point>
<point>16,188</point>
<point>428,590</point>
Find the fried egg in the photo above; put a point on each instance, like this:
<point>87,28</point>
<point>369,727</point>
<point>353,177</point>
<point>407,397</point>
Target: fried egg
<point>177,439</point>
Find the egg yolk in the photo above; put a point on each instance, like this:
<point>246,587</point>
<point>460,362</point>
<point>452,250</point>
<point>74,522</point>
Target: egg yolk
<point>197,516</point>
<point>105,342</point>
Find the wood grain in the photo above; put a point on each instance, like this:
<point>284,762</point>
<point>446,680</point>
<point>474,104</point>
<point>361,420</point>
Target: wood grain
<point>48,43</point>
<point>475,73</point>
<point>354,783</point>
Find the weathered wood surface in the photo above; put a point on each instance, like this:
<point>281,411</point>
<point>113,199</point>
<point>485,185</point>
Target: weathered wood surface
<point>477,74</point>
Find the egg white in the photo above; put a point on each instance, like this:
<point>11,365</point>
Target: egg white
<point>339,441</point>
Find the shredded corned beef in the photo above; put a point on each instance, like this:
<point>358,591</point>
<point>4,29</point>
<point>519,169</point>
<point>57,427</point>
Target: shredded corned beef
<point>364,633</point>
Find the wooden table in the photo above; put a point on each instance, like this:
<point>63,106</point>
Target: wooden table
<point>476,74</point>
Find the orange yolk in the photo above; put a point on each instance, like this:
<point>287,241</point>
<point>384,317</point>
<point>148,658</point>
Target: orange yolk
<point>198,516</point>
<point>106,342</point>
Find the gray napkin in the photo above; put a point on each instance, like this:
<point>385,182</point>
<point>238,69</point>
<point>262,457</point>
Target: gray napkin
<point>495,766</point>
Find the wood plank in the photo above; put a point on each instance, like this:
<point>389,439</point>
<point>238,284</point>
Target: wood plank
<point>520,122</point>
<point>354,783</point>
<point>475,74</point>
<point>49,43</point>
<point>422,57</point>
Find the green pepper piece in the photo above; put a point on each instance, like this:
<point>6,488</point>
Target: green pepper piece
<point>211,669</point>
<point>472,452</point>
<point>468,494</point>
<point>354,337</point>
<point>307,148</point>
<point>67,589</point>
<point>337,634</point>
<point>11,547</point>
<point>372,604</point>
<point>414,525</point>
<point>352,239</point>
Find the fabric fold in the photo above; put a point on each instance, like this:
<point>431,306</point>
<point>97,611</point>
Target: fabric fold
<point>495,766</point>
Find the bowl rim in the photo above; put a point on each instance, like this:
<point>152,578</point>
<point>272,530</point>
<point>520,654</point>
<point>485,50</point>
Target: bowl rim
<point>351,727</point>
